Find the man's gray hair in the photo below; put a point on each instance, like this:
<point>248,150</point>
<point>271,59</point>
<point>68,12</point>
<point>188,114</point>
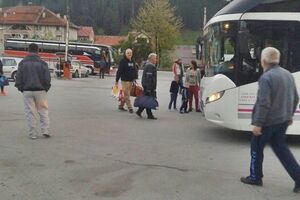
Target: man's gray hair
<point>151,55</point>
<point>270,55</point>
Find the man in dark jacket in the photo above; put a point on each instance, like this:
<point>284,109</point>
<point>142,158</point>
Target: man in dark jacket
<point>2,93</point>
<point>34,81</point>
<point>277,100</point>
<point>127,72</point>
<point>149,81</point>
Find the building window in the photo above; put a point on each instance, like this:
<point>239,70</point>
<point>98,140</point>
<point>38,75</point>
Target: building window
<point>57,28</point>
<point>38,28</point>
<point>58,37</point>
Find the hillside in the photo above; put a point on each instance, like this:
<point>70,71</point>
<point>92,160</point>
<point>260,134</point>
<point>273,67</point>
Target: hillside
<point>114,16</point>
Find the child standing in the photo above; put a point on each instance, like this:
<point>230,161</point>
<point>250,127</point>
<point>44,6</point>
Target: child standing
<point>173,93</point>
<point>184,100</point>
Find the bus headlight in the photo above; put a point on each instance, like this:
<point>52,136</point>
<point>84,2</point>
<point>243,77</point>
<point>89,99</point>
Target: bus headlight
<point>215,96</point>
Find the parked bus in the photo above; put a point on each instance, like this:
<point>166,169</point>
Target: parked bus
<point>233,41</point>
<point>88,54</point>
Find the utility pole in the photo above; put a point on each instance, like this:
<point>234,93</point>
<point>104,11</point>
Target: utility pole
<point>67,33</point>
<point>205,16</point>
<point>1,41</point>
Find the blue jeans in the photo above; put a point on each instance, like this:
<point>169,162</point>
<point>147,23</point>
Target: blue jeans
<point>173,100</point>
<point>276,136</point>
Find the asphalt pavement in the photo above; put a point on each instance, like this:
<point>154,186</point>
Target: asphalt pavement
<point>97,152</point>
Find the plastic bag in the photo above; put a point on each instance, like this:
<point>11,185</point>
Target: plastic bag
<point>115,91</point>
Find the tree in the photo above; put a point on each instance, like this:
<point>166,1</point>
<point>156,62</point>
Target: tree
<point>157,20</point>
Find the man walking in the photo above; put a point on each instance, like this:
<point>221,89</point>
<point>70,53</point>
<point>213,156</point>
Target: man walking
<point>33,80</point>
<point>277,100</point>
<point>127,72</point>
<point>149,82</point>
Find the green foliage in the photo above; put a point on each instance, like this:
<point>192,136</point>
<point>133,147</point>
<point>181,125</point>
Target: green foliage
<point>140,47</point>
<point>165,60</point>
<point>188,37</point>
<point>157,20</point>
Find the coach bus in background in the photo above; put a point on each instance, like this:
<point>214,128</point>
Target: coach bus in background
<point>233,41</point>
<point>88,54</point>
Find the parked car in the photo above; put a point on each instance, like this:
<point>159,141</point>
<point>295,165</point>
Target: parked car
<point>76,69</point>
<point>10,66</point>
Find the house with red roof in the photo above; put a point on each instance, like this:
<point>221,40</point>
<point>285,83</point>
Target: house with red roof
<point>109,40</point>
<point>86,34</point>
<point>35,22</point>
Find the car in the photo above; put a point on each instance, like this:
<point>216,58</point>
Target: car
<point>77,69</point>
<point>10,66</point>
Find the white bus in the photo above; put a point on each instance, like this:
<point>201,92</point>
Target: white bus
<point>233,41</point>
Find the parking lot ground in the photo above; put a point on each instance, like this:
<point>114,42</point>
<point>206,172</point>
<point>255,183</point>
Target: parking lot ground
<point>98,152</point>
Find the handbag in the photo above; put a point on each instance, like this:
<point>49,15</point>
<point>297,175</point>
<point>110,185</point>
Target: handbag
<point>136,90</point>
<point>145,101</point>
<point>3,81</point>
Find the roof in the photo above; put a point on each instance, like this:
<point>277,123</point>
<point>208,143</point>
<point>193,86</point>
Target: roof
<point>243,6</point>
<point>85,31</point>
<point>31,15</point>
<point>109,40</point>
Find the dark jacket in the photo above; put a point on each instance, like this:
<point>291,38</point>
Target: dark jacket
<point>174,87</point>
<point>102,64</point>
<point>127,70</point>
<point>277,98</point>
<point>33,74</point>
<point>149,79</point>
<point>1,68</point>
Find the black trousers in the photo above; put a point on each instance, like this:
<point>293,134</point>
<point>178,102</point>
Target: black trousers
<point>148,111</point>
<point>173,100</point>
<point>275,135</point>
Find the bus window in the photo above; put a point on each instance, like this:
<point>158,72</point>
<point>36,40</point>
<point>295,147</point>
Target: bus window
<point>281,35</point>
<point>219,49</point>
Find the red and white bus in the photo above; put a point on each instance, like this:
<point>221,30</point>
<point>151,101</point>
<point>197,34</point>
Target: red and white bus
<point>88,54</point>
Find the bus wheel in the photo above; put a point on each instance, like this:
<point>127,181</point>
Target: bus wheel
<point>76,74</point>
<point>14,76</point>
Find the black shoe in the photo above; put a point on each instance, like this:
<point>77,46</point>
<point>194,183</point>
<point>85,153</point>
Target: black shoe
<point>131,110</point>
<point>122,109</point>
<point>248,180</point>
<point>152,117</point>
<point>297,188</point>
<point>46,135</point>
<point>138,114</point>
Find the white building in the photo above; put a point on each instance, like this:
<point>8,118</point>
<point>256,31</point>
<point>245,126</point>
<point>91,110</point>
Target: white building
<point>35,22</point>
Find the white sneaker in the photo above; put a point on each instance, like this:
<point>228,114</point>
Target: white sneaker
<point>33,137</point>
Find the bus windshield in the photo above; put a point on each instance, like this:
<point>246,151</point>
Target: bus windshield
<point>219,49</point>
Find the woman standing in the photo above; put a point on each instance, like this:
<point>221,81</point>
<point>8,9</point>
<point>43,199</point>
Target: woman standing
<point>193,77</point>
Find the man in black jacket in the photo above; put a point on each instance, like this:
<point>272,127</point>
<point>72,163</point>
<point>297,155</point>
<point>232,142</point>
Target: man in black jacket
<point>149,82</point>
<point>34,81</point>
<point>2,93</point>
<point>127,72</point>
